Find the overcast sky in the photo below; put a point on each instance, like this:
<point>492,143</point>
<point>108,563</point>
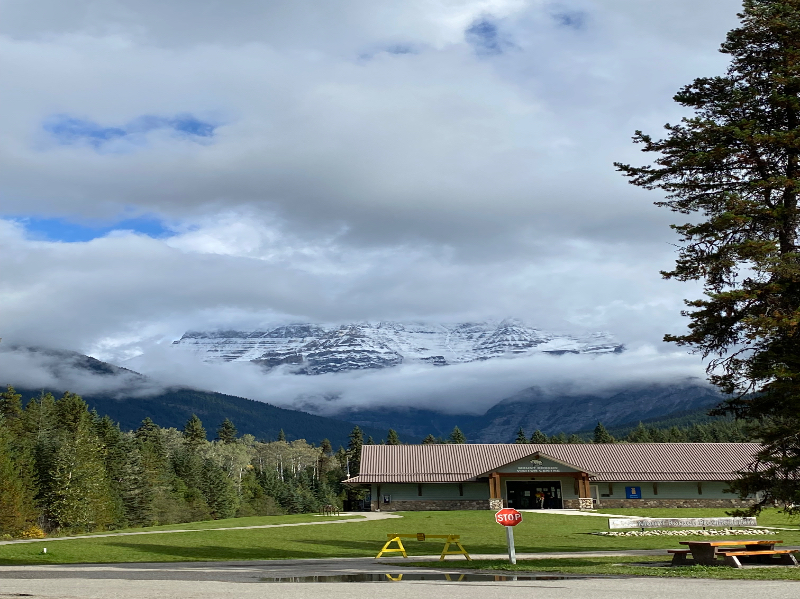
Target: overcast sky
<point>180,165</point>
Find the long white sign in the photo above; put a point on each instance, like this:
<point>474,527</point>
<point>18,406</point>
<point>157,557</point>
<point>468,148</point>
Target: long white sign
<point>679,522</point>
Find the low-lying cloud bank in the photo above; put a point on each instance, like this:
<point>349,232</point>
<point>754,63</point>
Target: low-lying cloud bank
<point>469,388</point>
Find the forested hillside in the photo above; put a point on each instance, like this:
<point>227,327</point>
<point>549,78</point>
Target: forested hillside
<point>172,408</point>
<point>64,468</point>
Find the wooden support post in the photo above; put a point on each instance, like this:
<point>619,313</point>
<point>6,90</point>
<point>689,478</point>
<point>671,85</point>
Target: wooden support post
<point>584,486</point>
<point>494,486</point>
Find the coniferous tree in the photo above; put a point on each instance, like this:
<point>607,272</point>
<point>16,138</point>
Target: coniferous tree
<point>114,452</point>
<point>227,432</point>
<point>282,436</point>
<point>135,491</point>
<point>11,409</point>
<point>574,439</point>
<point>392,438</point>
<point>16,498</point>
<point>521,438</point>
<point>457,436</point>
<point>538,437</point>
<point>354,450</point>
<point>80,497</point>
<point>193,432</point>
<point>326,447</point>
<point>371,441</point>
<point>601,435</point>
<point>219,491</point>
<point>559,438</point>
<point>429,440</point>
<point>734,169</point>
<point>639,435</point>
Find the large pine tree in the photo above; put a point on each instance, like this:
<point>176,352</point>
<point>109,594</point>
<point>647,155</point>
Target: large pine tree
<point>16,497</point>
<point>733,168</point>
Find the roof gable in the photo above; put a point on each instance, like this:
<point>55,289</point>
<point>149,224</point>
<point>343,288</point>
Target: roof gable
<point>537,463</point>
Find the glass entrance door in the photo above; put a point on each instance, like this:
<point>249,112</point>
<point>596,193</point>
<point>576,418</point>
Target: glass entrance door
<point>534,495</point>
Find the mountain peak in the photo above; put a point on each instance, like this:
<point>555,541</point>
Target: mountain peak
<point>317,349</point>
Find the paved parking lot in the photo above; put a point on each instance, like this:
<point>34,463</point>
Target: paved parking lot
<point>222,580</point>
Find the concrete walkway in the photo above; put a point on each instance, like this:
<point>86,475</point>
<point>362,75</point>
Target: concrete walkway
<point>354,517</point>
<point>576,513</point>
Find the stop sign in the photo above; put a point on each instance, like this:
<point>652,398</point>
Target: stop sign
<point>508,517</point>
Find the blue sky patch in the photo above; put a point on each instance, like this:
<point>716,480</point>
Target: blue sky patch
<point>69,130</point>
<point>400,49</point>
<point>484,37</point>
<point>59,229</point>
<point>572,19</point>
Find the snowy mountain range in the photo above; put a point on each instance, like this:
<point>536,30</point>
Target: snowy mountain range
<point>318,349</point>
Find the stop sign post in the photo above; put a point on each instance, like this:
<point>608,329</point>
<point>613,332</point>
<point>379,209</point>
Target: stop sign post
<point>509,517</point>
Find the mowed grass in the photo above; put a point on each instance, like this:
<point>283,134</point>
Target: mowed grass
<point>479,533</point>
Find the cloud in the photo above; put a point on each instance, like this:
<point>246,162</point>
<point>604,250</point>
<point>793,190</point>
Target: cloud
<point>60,371</point>
<point>335,162</point>
<point>470,388</point>
<point>110,295</point>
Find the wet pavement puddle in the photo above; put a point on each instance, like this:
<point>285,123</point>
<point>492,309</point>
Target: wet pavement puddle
<point>407,577</point>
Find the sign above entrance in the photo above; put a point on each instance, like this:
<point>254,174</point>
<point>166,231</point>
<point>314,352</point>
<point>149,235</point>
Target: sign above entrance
<point>536,464</point>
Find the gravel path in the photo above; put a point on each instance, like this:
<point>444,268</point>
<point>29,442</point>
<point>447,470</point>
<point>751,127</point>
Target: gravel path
<point>355,517</point>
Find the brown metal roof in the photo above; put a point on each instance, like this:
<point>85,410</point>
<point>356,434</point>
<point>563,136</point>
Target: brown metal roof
<point>606,462</point>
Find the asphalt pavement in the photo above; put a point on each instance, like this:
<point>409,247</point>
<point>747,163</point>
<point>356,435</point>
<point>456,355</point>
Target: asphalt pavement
<point>322,578</point>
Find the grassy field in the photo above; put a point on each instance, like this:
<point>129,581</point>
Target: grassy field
<point>480,534</point>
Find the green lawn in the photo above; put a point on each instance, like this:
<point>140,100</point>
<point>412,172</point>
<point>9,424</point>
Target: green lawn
<point>480,534</point>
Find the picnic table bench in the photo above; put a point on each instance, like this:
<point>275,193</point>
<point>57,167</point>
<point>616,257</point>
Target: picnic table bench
<point>708,553</point>
<point>421,536</point>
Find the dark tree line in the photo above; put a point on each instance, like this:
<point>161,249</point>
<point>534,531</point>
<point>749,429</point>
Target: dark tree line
<point>64,468</point>
<point>715,431</point>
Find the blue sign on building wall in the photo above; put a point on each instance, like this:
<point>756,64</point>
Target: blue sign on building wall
<point>633,492</point>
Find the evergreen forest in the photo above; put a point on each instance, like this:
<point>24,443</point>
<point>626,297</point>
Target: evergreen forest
<point>65,469</point>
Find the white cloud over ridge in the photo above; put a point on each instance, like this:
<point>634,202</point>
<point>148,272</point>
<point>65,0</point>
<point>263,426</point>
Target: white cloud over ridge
<point>345,178</point>
<point>468,388</point>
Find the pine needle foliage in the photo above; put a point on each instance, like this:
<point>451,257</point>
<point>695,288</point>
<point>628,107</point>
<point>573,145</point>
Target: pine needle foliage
<point>733,171</point>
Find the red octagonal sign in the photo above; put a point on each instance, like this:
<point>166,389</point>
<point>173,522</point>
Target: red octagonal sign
<point>508,517</point>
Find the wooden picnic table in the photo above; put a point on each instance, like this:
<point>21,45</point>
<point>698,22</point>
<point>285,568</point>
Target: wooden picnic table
<point>708,553</point>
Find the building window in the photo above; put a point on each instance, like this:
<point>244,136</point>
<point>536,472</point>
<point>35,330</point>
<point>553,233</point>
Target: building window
<point>460,489</point>
<point>419,490</point>
<point>655,488</point>
<point>699,488</point>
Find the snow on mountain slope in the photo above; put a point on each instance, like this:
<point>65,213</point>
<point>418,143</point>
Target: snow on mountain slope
<point>316,349</point>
